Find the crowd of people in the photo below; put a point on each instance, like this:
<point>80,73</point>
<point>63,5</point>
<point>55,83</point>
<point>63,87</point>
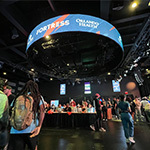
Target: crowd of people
<point>23,114</point>
<point>140,108</point>
<point>71,107</point>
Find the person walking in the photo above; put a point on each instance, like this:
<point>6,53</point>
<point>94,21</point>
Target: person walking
<point>24,134</point>
<point>127,121</point>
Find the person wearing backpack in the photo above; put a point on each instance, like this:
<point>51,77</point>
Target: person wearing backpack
<point>27,118</point>
<point>4,115</point>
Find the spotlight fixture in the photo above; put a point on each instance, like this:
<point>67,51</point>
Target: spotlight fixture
<point>4,73</point>
<point>47,37</point>
<point>125,75</point>
<point>32,69</point>
<point>134,4</point>
<point>99,82</point>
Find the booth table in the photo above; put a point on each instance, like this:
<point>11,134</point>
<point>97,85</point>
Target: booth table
<point>65,120</point>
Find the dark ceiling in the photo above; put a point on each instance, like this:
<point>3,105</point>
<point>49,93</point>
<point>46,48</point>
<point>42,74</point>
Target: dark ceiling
<point>18,18</point>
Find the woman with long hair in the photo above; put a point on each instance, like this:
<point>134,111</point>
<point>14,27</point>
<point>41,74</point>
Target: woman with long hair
<point>28,136</point>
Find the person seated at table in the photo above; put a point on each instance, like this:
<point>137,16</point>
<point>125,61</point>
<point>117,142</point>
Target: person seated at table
<point>73,107</point>
<point>90,109</point>
<point>63,107</point>
<point>84,103</point>
<point>84,108</point>
<point>72,103</point>
<point>47,107</point>
<point>79,109</point>
<point>53,107</point>
<point>68,108</point>
<point>59,108</point>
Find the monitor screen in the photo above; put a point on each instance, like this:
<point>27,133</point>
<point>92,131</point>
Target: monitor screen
<point>87,88</point>
<point>116,86</point>
<point>62,89</point>
<point>55,102</point>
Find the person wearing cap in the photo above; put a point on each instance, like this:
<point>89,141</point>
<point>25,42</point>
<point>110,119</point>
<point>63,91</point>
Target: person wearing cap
<point>4,114</point>
<point>97,125</point>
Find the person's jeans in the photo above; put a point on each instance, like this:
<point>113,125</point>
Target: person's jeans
<point>117,113</point>
<point>138,114</point>
<point>128,124</point>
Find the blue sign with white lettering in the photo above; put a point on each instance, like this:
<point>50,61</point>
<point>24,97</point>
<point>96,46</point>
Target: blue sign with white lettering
<point>74,23</point>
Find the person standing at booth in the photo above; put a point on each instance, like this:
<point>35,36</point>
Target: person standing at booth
<point>97,125</point>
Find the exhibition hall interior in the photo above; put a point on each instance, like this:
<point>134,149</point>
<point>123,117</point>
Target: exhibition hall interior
<point>80,51</point>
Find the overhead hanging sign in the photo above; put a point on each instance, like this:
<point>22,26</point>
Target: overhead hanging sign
<point>74,23</point>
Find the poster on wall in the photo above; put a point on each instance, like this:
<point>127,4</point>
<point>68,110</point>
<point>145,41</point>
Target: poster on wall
<point>116,86</point>
<point>62,89</point>
<point>87,88</point>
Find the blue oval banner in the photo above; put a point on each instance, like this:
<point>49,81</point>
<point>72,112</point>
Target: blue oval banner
<point>74,23</point>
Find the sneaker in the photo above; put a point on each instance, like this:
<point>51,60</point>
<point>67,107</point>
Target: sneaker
<point>92,127</point>
<point>131,140</point>
<point>102,130</point>
<point>127,141</point>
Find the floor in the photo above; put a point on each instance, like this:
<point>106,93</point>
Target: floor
<point>86,139</point>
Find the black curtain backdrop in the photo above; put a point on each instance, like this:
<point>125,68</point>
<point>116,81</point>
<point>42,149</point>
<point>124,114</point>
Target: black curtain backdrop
<point>145,88</point>
<point>51,90</point>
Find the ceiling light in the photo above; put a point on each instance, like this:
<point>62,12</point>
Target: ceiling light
<point>67,64</point>
<point>149,3</point>
<point>32,69</point>
<point>109,73</point>
<point>4,73</point>
<point>134,4</point>
<point>126,71</point>
<point>75,71</point>
<point>51,79</point>
<point>47,37</point>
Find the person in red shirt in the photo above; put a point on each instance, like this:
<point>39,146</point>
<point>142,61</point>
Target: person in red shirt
<point>72,103</point>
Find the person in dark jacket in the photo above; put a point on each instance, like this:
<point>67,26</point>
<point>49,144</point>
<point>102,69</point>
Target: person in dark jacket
<point>97,125</point>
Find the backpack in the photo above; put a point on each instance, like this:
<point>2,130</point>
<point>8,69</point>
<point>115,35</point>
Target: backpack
<point>22,113</point>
